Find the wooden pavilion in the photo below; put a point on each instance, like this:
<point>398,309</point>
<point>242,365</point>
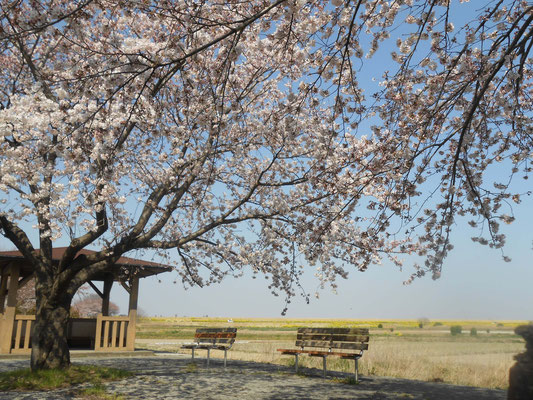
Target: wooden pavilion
<point>103,333</point>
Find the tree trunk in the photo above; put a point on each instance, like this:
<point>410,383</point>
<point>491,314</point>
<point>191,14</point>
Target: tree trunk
<point>521,373</point>
<point>49,338</point>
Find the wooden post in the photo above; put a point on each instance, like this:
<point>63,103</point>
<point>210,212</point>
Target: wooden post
<point>134,296</point>
<point>114,334</point>
<point>121,337</point>
<point>105,341</point>
<point>108,283</point>
<point>98,335</point>
<point>9,313</point>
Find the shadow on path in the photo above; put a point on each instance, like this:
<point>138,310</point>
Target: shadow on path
<point>172,377</point>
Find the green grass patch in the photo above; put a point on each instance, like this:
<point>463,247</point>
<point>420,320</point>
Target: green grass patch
<point>25,379</point>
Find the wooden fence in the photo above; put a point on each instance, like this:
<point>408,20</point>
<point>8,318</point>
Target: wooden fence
<point>105,333</point>
<point>22,334</point>
<point>112,333</point>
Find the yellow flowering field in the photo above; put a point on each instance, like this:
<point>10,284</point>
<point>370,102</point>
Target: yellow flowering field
<point>398,348</point>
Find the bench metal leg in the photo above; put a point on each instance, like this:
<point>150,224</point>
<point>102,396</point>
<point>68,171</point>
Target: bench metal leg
<point>193,353</point>
<point>208,350</point>
<point>324,365</point>
<point>296,362</point>
<point>225,356</point>
<point>356,370</point>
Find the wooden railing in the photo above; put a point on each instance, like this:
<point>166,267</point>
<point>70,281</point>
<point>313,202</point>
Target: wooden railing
<point>22,334</point>
<point>111,333</point>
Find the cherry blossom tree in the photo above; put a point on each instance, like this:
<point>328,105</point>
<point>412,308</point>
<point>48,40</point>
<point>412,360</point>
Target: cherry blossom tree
<point>26,298</point>
<point>91,305</point>
<point>86,305</point>
<point>239,135</point>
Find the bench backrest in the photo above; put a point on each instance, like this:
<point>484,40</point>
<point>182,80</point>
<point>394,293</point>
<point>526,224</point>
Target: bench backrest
<point>333,338</point>
<point>215,336</point>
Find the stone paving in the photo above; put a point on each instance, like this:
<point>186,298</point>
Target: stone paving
<point>172,376</point>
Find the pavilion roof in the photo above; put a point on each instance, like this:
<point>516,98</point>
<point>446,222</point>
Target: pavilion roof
<point>141,267</point>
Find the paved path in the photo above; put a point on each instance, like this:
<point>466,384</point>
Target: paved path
<point>169,376</point>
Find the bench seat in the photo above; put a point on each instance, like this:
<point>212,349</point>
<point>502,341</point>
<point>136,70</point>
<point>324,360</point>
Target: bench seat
<point>212,339</point>
<point>346,343</point>
<point>320,353</point>
<point>191,346</point>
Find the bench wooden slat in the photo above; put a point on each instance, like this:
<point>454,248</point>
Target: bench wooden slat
<point>335,331</point>
<point>335,338</point>
<point>216,341</point>
<point>215,330</point>
<point>320,353</point>
<point>211,346</point>
<point>333,345</point>
<point>350,356</point>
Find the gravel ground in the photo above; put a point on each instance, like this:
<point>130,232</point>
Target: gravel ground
<point>172,376</point>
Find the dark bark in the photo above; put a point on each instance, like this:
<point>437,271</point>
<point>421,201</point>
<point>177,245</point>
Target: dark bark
<point>521,373</point>
<point>49,338</point>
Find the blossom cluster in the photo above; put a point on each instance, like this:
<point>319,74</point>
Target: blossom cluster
<point>232,135</point>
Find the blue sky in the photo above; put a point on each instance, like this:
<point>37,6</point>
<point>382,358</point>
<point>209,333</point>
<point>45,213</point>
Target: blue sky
<point>475,284</point>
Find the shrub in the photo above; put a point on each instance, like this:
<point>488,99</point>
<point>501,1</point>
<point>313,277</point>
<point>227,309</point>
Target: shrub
<point>488,330</point>
<point>380,326</point>
<point>456,330</point>
<point>422,321</point>
<point>437,324</point>
<point>392,329</point>
<point>473,332</point>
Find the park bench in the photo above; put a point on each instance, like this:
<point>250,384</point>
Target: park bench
<point>212,339</point>
<point>346,343</point>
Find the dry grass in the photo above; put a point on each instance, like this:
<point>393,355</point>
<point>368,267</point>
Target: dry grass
<point>483,363</point>
<point>429,354</point>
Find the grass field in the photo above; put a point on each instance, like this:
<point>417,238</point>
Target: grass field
<point>398,348</point>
